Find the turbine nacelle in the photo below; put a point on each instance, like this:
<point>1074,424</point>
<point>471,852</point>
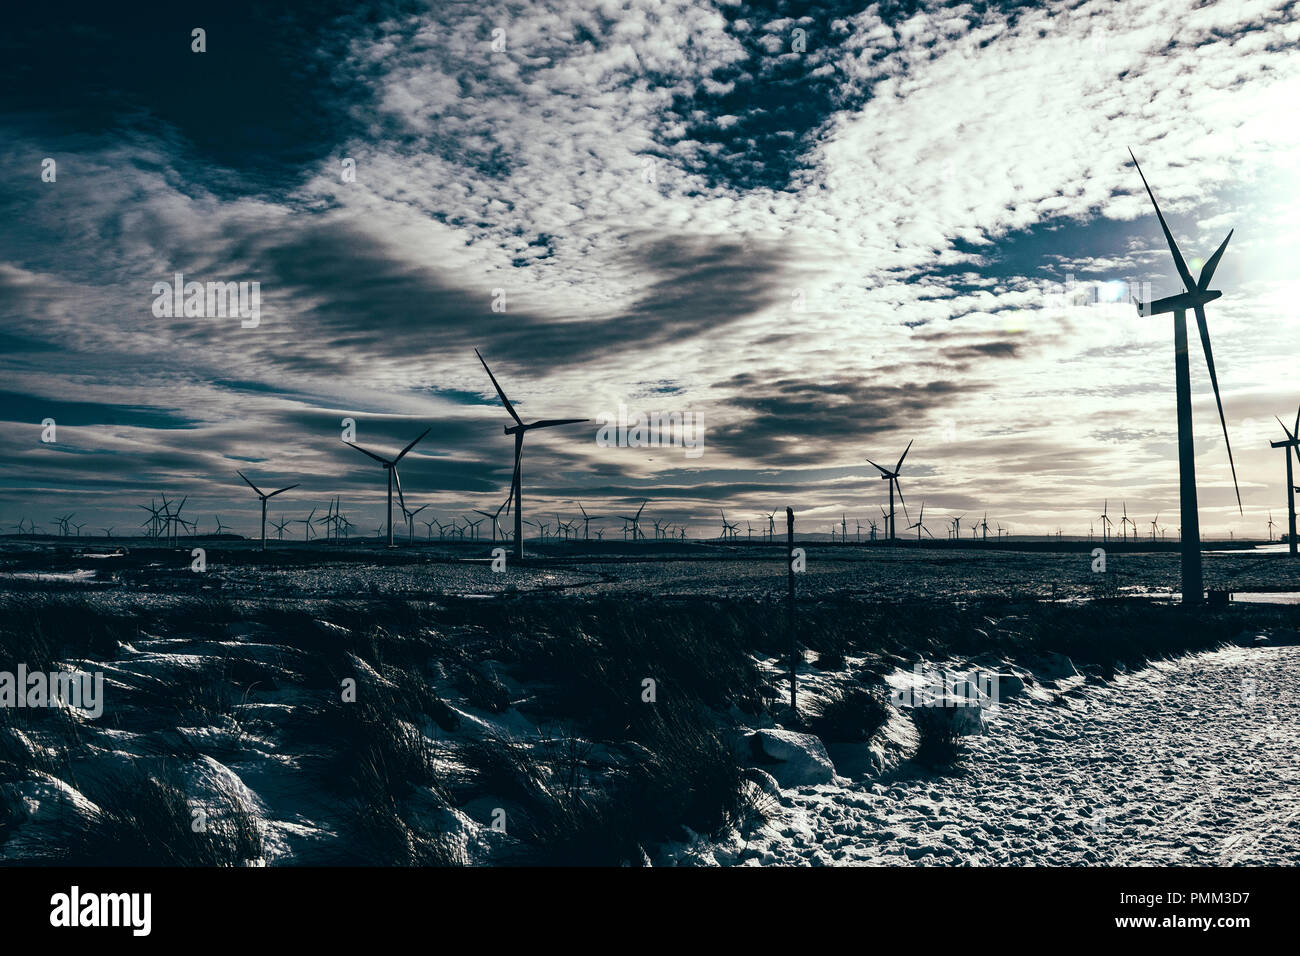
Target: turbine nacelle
<point>1183,302</point>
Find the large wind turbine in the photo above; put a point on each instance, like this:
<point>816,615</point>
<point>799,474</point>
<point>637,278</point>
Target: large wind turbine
<point>1292,443</point>
<point>586,522</point>
<point>1194,296</point>
<point>263,496</point>
<point>635,521</point>
<point>519,429</point>
<point>892,478</point>
<point>390,466</point>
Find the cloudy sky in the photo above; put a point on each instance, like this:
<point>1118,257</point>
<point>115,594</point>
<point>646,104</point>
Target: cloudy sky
<point>827,229</point>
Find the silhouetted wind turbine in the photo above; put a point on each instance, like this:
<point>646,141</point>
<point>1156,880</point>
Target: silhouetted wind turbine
<point>1292,443</point>
<point>1195,295</point>
<point>519,429</point>
<point>586,522</point>
<point>410,521</point>
<point>1124,522</point>
<point>920,524</point>
<point>1105,522</point>
<point>635,521</point>
<point>390,466</point>
<point>306,525</point>
<point>492,516</point>
<point>892,478</point>
<point>263,498</point>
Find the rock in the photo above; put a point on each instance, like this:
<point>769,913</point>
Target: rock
<point>793,759</point>
<point>951,716</point>
<point>1007,686</point>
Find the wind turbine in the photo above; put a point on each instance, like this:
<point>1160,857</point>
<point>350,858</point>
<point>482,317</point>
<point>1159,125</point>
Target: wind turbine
<point>586,522</point>
<point>1124,521</point>
<point>1292,442</point>
<point>306,525</point>
<point>920,525</point>
<point>155,515</point>
<point>1270,527</point>
<point>390,466</point>
<point>635,521</point>
<point>410,521</point>
<point>892,478</point>
<point>279,528</point>
<point>1105,522</point>
<point>984,529</point>
<point>220,527</point>
<point>1195,295</point>
<point>519,429</point>
<point>1155,523</point>
<point>263,497</point>
<point>495,518</point>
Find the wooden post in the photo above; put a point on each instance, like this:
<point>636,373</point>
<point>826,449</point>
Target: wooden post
<point>789,568</point>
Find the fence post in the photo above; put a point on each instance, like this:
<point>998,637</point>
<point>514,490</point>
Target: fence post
<point>789,570</point>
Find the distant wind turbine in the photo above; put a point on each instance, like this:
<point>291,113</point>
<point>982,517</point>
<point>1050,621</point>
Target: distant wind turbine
<point>1292,443</point>
<point>263,497</point>
<point>892,478</point>
<point>390,467</point>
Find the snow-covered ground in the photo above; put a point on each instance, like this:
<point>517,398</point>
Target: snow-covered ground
<point>1186,762</point>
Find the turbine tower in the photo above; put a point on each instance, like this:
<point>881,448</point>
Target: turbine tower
<point>519,429</point>
<point>1195,295</point>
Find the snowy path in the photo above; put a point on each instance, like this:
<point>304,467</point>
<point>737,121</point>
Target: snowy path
<point>1176,764</point>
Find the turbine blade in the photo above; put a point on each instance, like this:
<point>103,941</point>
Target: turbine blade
<point>1214,380</point>
<point>246,481</point>
<point>402,454</point>
<point>902,456</point>
<point>274,493</point>
<point>1207,271</point>
<point>397,479</point>
<point>882,470</point>
<point>548,422</point>
<point>504,401</point>
<point>382,461</point>
<point>1183,272</point>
